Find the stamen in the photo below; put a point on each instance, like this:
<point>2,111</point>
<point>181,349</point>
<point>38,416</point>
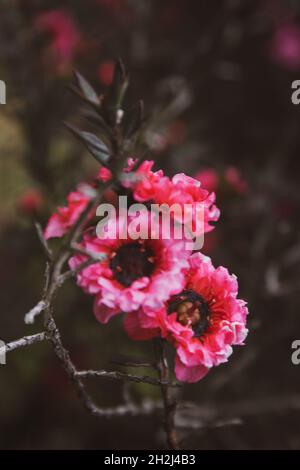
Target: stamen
<point>132,261</point>
<point>192,310</point>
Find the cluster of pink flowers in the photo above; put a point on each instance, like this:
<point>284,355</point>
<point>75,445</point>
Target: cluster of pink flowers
<point>162,288</point>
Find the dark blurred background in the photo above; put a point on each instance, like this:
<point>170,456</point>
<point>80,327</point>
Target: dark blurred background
<point>216,79</point>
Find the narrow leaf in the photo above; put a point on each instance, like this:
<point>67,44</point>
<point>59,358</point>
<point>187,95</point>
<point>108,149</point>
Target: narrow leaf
<point>87,89</point>
<point>95,145</point>
<point>118,87</point>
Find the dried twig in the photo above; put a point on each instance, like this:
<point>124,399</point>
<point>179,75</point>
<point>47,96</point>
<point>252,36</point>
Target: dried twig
<point>130,361</point>
<point>23,342</point>
<point>48,252</point>
<point>39,308</point>
<point>169,401</point>
<point>122,376</point>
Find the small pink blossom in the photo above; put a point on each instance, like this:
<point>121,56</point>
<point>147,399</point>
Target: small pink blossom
<point>65,217</point>
<point>285,45</point>
<point>104,174</point>
<point>65,37</point>
<point>30,202</point>
<point>105,72</point>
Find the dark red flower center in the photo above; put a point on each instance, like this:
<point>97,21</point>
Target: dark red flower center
<point>132,261</point>
<point>191,310</point>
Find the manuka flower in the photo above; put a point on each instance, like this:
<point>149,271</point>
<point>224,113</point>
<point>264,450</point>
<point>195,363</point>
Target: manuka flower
<point>285,45</point>
<point>156,188</point>
<point>30,202</point>
<point>65,217</point>
<point>134,273</point>
<point>202,321</point>
<point>65,37</point>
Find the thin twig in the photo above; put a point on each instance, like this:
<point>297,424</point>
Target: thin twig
<point>23,342</point>
<point>43,241</point>
<point>169,401</point>
<point>37,310</point>
<point>145,408</point>
<point>129,361</point>
<point>93,255</point>
<point>76,380</point>
<point>72,272</point>
<point>85,374</point>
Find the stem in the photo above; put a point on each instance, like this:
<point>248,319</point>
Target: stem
<point>116,375</point>
<point>24,342</point>
<point>169,401</point>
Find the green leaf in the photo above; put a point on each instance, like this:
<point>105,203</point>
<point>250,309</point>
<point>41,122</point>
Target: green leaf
<point>118,87</point>
<point>87,89</point>
<point>95,145</point>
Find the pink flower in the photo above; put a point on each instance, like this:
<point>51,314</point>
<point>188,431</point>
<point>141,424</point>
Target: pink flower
<point>65,35</point>
<point>30,202</point>
<point>65,217</point>
<point>156,188</point>
<point>105,72</point>
<point>104,174</point>
<point>285,45</point>
<point>135,272</point>
<point>209,179</point>
<point>203,321</point>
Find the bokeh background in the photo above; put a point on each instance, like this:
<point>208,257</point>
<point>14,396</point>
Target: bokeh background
<point>216,80</point>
